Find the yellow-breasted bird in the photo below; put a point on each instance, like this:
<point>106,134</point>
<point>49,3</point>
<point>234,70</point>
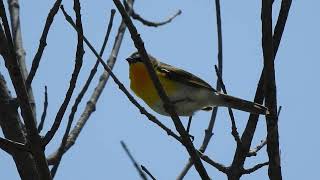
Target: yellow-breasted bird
<point>187,92</point>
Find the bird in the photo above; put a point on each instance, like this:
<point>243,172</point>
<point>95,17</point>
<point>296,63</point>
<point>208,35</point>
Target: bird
<point>187,92</point>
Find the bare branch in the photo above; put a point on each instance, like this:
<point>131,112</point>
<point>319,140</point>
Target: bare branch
<point>255,168</point>
<point>218,166</point>
<point>79,59</point>
<point>148,172</point>
<point>14,8</point>
<point>166,101</point>
<point>90,107</point>
<point>136,16</point>
<point>253,152</point>
<point>73,81</point>
<point>62,147</point>
<point>12,128</point>
<point>16,76</point>
<point>43,43</point>
<point>11,146</point>
<point>274,171</point>
<point>233,122</point>
<point>45,107</point>
<point>135,164</point>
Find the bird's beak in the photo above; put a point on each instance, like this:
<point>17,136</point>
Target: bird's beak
<point>129,59</point>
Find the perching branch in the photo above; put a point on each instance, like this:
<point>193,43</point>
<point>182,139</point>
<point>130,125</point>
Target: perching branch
<point>167,104</point>
<point>209,131</point>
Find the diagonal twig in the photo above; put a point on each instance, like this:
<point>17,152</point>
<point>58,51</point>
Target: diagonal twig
<point>45,107</point>
<point>148,172</point>
<point>255,168</point>
<point>253,152</point>
<point>167,104</point>
<point>43,43</point>
<point>134,162</point>
<point>233,122</point>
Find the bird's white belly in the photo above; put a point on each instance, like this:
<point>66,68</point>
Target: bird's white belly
<point>188,100</point>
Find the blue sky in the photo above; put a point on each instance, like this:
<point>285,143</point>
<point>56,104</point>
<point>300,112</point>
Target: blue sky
<point>189,42</point>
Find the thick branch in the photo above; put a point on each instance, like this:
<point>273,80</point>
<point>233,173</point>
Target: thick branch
<point>11,146</point>
<point>12,126</point>
<point>16,76</point>
<point>270,92</point>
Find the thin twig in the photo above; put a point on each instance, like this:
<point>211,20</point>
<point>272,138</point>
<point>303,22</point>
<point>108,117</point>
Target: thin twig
<point>135,164</point>
<point>233,122</point>
<point>148,172</point>
<point>43,43</point>
<point>166,101</point>
<point>189,124</point>
<point>255,168</point>
<point>79,59</point>
<point>74,78</point>
<point>218,166</point>
<point>62,147</point>
<point>136,16</point>
<point>253,152</point>
<point>45,107</point>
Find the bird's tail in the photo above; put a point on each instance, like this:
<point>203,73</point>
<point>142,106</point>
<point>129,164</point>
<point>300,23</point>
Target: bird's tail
<point>243,105</point>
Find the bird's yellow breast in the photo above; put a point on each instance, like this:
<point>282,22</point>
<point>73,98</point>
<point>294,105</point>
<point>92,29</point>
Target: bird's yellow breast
<point>142,85</point>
